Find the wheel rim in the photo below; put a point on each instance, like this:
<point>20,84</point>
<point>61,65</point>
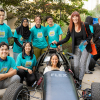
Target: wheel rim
<point>23,95</point>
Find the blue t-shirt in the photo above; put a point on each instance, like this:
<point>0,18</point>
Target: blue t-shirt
<point>16,48</point>
<point>53,34</point>
<point>38,37</point>
<point>27,62</point>
<point>6,64</point>
<point>5,33</point>
<point>91,29</point>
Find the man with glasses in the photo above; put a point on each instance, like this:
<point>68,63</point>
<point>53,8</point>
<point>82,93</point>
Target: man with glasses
<point>54,32</point>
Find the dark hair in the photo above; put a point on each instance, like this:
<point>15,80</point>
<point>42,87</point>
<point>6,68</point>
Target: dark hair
<point>3,43</point>
<point>48,17</point>
<point>31,52</point>
<point>2,10</point>
<point>58,64</point>
<point>89,20</point>
<point>71,25</point>
<point>38,16</point>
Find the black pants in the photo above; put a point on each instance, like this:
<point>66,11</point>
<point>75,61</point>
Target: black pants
<point>96,57</point>
<point>30,78</point>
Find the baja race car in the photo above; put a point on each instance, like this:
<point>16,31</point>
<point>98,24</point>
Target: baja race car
<point>55,85</point>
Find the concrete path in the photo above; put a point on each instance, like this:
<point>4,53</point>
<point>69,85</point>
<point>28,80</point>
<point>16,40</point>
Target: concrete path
<point>86,83</point>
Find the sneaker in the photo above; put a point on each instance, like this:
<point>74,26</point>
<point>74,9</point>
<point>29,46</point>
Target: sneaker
<point>89,72</point>
<point>92,69</point>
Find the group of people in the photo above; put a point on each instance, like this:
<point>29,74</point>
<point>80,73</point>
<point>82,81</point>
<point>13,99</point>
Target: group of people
<point>25,53</point>
<point>28,45</point>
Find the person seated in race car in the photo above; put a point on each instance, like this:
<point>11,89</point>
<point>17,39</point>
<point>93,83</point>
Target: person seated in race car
<point>26,62</point>
<point>54,64</point>
<point>8,67</point>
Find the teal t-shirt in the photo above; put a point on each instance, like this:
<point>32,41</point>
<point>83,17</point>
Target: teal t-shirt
<point>16,48</point>
<point>27,62</point>
<point>6,64</point>
<point>38,37</point>
<point>5,33</point>
<point>53,34</point>
<point>91,29</point>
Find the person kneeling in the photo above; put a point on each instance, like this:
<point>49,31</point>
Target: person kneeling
<point>26,62</point>
<point>8,67</point>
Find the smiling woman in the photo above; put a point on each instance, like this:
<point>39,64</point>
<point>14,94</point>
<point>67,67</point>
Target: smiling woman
<point>54,64</point>
<point>76,30</point>
<point>26,62</point>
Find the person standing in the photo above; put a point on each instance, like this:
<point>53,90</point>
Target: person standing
<point>39,37</point>
<point>96,39</point>
<point>8,67</point>
<point>21,35</point>
<point>76,30</point>
<point>89,20</point>
<point>54,32</point>
<point>5,31</point>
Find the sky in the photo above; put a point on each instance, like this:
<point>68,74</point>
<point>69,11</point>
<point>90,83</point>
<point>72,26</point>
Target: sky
<point>91,4</point>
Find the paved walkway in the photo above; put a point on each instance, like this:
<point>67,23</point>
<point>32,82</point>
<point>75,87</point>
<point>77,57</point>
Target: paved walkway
<point>86,83</point>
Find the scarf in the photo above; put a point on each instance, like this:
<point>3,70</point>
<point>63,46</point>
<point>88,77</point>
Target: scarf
<point>24,31</point>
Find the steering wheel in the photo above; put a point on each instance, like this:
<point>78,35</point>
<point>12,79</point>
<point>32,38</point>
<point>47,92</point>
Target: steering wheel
<point>50,45</point>
<point>55,70</point>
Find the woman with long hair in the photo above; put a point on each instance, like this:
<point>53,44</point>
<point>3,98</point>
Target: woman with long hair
<point>21,35</point>
<point>26,62</point>
<point>54,64</point>
<point>76,30</point>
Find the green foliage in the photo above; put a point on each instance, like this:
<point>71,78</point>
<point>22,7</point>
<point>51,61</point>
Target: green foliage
<point>10,2</point>
<point>11,42</point>
<point>60,11</point>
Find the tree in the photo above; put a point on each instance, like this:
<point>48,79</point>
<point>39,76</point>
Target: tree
<point>10,2</point>
<point>60,11</point>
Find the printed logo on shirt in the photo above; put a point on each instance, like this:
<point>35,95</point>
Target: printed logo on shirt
<point>39,35</point>
<point>22,39</point>
<point>3,70</point>
<point>52,33</point>
<point>28,63</point>
<point>2,33</point>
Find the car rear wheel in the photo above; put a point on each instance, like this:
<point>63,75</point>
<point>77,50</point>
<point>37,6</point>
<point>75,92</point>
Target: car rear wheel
<point>16,91</point>
<point>95,91</point>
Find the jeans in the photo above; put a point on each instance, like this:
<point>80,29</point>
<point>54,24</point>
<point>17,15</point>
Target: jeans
<point>7,82</point>
<point>80,65</point>
<point>15,56</point>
